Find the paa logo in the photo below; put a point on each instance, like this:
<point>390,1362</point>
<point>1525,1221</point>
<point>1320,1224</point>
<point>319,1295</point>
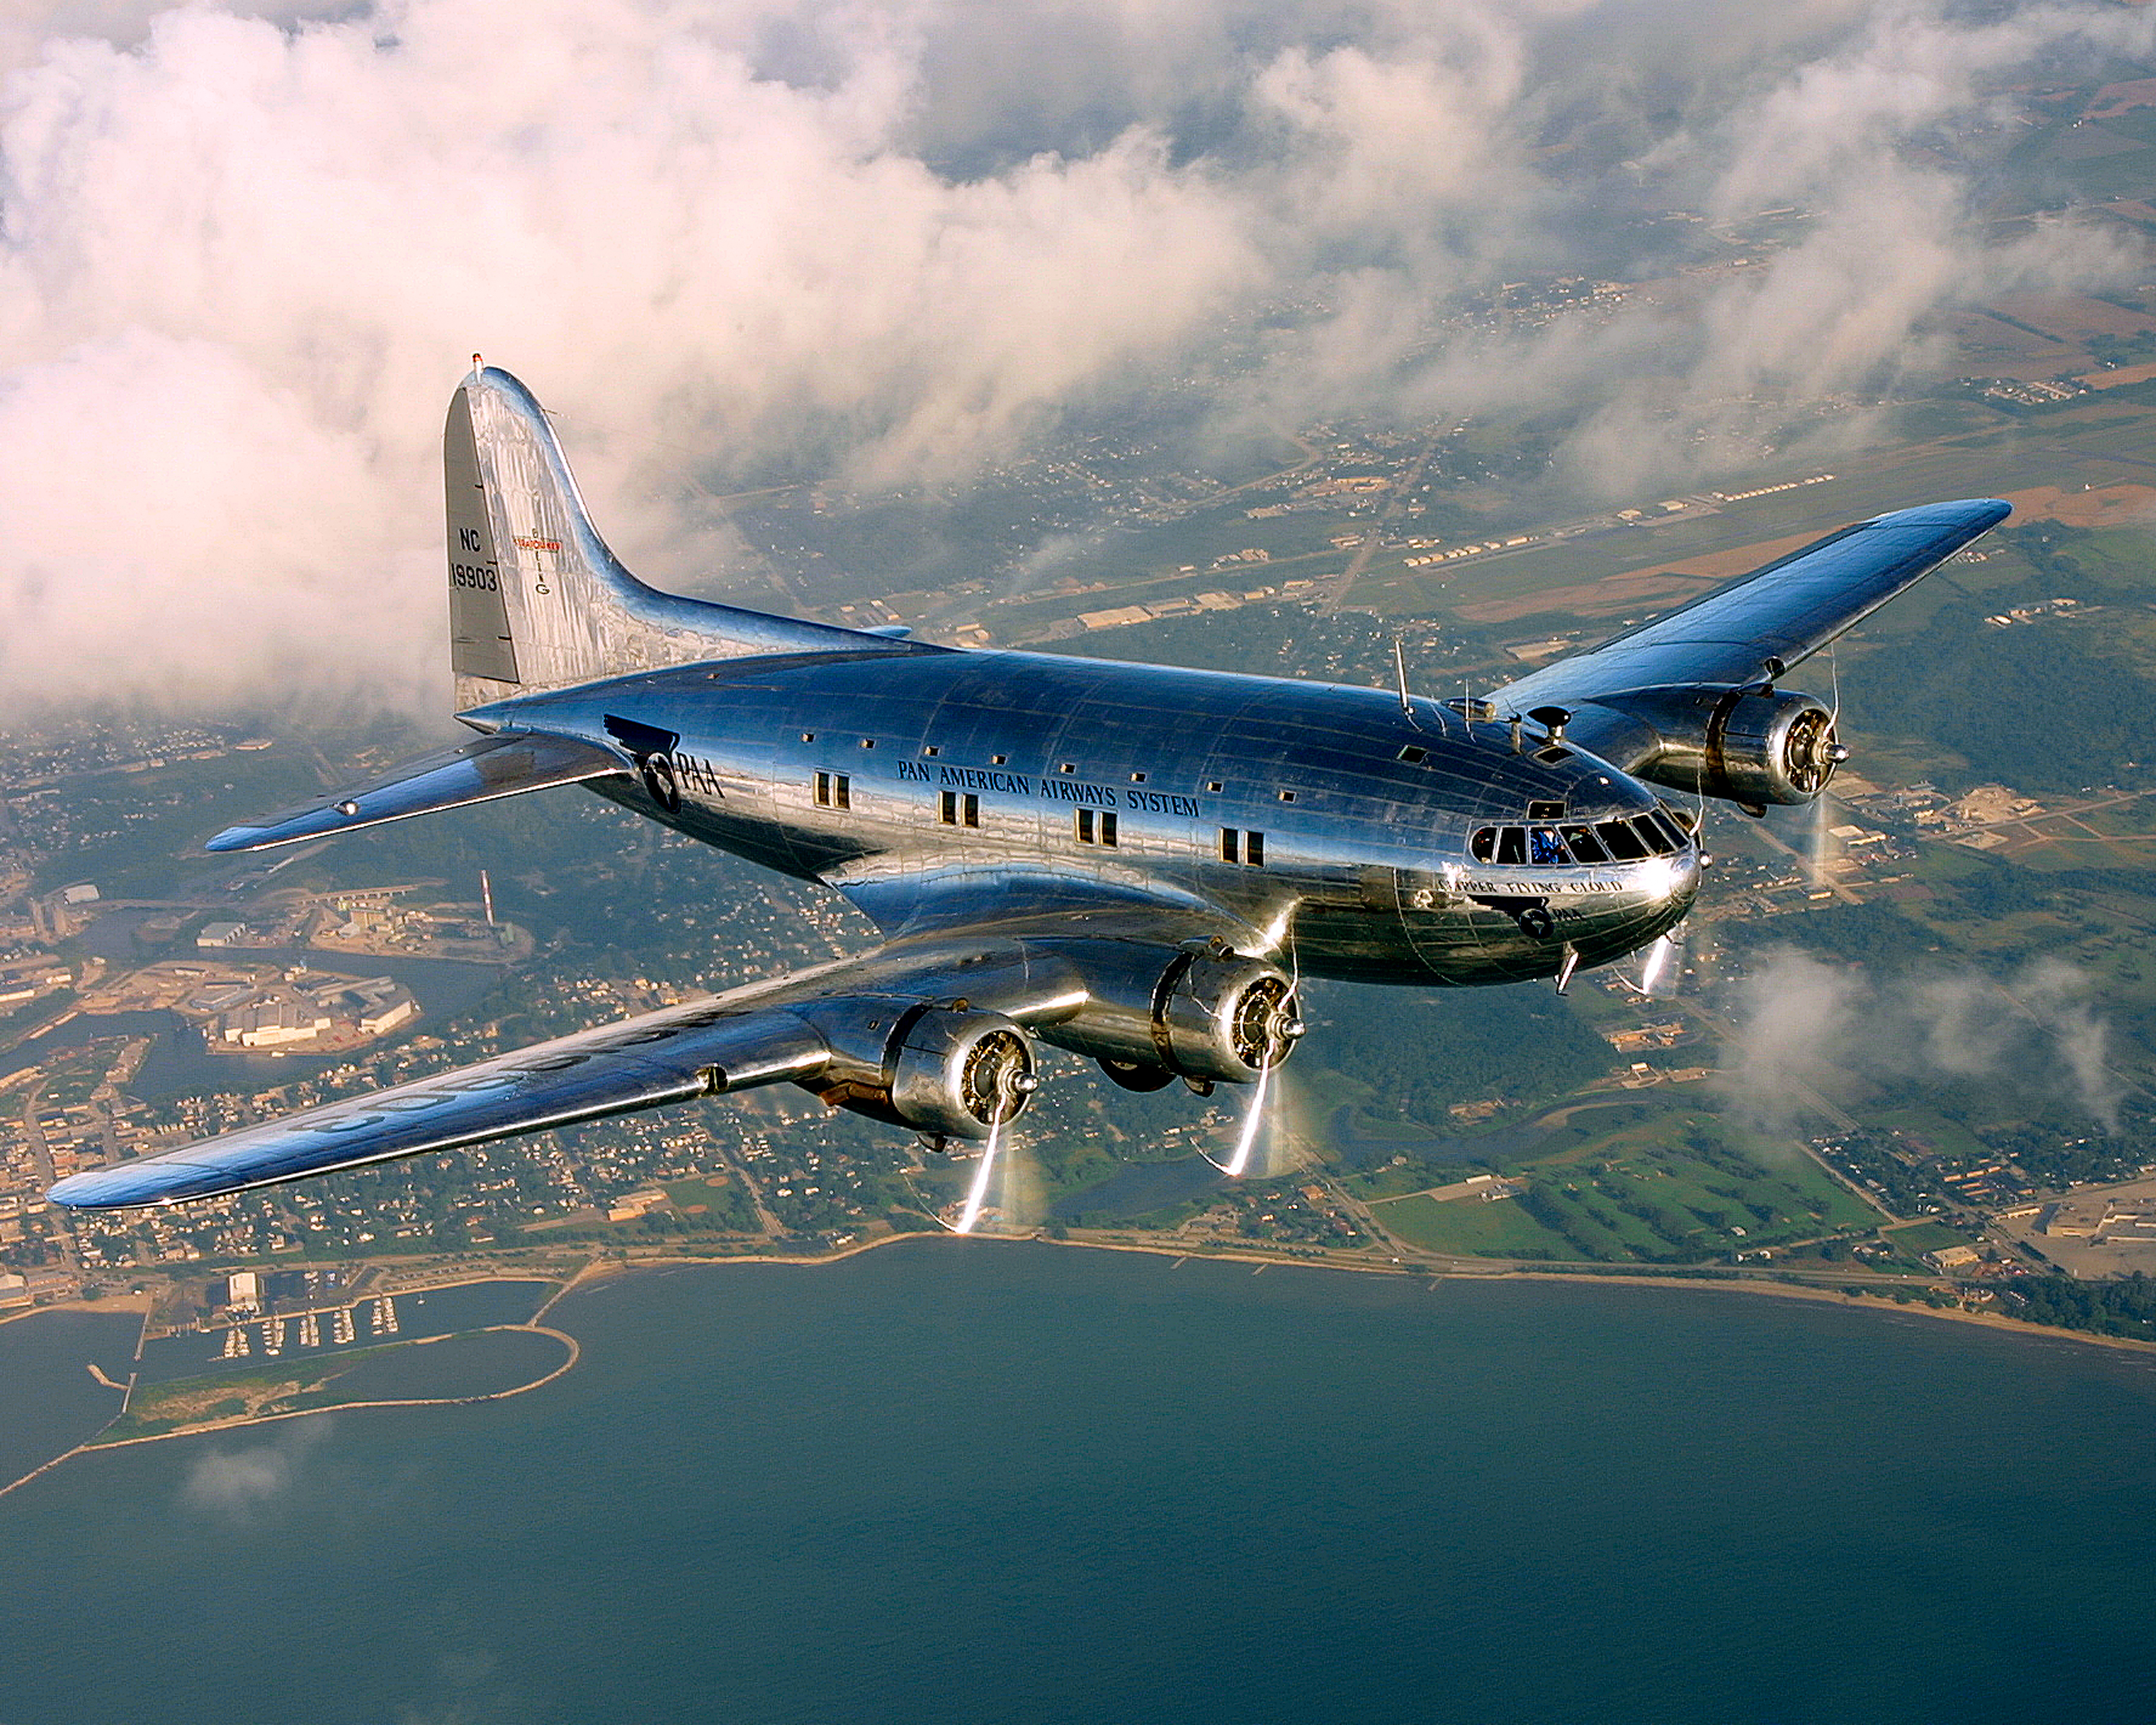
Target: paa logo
<point>652,749</point>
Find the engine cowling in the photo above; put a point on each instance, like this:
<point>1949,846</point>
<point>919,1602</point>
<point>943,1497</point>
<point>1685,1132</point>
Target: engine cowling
<point>948,1071</point>
<point>1209,1016</point>
<point>1750,746</point>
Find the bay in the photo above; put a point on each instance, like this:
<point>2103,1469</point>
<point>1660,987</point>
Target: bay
<point>955,1479</point>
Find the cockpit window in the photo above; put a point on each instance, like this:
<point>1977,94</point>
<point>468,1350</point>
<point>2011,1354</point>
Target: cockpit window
<point>1584,844</point>
<point>1616,840</point>
<point>1673,835</point>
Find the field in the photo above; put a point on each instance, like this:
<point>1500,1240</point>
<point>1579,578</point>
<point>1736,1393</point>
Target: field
<point>1475,1228</point>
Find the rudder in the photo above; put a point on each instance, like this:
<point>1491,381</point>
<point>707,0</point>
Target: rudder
<point>537,600</point>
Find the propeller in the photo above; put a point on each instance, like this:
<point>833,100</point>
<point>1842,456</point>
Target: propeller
<point>1013,1082</point>
<point>1282,1027</point>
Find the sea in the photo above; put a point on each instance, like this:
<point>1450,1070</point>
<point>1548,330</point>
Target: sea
<point>971,1479</point>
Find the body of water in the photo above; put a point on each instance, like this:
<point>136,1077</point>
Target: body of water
<point>48,1401</point>
<point>955,1479</point>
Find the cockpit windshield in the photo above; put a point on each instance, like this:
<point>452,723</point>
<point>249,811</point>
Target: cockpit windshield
<point>1624,839</point>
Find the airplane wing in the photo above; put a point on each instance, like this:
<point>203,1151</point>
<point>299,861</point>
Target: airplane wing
<point>900,1035</point>
<point>1755,626</point>
<point>505,764</point>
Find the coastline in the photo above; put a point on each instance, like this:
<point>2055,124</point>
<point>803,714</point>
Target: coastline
<point>601,1270</point>
<point>202,1429</point>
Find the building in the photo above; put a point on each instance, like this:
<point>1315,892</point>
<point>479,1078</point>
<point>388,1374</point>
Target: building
<point>221,934</point>
<point>242,1291</point>
<point>272,1024</point>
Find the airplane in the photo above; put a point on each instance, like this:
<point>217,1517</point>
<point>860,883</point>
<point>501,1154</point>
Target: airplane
<point>1133,862</point>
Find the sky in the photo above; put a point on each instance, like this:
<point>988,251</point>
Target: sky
<point>246,249</point>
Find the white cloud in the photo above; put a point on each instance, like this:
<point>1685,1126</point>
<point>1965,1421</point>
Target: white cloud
<point>1806,1026</point>
<point>237,1482</point>
<point>245,249</point>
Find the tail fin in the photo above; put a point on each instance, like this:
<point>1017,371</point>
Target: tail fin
<point>537,600</point>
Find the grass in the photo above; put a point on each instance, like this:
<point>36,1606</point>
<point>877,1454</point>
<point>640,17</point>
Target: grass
<point>1475,1228</point>
<point>160,1408</point>
<point>1922,1237</point>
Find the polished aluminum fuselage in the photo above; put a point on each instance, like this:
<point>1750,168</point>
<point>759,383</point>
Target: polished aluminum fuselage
<point>912,782</point>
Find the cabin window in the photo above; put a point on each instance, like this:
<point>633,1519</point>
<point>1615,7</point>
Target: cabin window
<point>1214,784</point>
<point>1138,778</point>
<point>868,742</point>
<point>834,790</point>
<point>998,760</point>
<point>950,809</point>
<point>808,736</point>
<point>1413,753</point>
<point>1231,844</point>
<point>931,751</point>
<point>1512,844</point>
<point>1545,811</point>
<point>1068,766</point>
<point>1254,849</point>
<point>1288,796</point>
<point>1483,846</point>
<point>1545,849</point>
<point>969,809</point>
<point>1097,827</point>
<point>960,811</point>
<point>1620,840</point>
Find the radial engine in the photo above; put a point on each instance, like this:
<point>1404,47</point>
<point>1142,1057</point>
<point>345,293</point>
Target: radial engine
<point>1208,1016</point>
<point>1751,746</point>
<point>946,1071</point>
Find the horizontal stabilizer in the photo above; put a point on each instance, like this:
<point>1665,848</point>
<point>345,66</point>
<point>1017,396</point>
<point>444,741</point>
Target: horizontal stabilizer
<point>505,765</point>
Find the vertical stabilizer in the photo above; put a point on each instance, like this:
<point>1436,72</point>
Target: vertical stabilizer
<point>536,599</point>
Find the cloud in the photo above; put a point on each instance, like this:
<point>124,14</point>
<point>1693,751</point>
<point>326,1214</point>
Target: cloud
<point>244,251</point>
<point>236,1483</point>
<point>1803,1026</point>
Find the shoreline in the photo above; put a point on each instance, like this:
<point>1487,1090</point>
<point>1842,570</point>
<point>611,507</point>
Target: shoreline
<point>598,1271</point>
<point>97,1443</point>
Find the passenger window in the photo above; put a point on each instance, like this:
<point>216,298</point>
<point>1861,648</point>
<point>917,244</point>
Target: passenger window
<point>1545,847</point>
<point>1512,844</point>
<point>1585,847</point>
<point>1620,841</point>
<point>1671,831</point>
<point>1483,846</point>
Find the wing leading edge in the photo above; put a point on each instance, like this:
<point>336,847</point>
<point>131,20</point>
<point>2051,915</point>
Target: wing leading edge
<point>849,1031</point>
<point>1784,612</point>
